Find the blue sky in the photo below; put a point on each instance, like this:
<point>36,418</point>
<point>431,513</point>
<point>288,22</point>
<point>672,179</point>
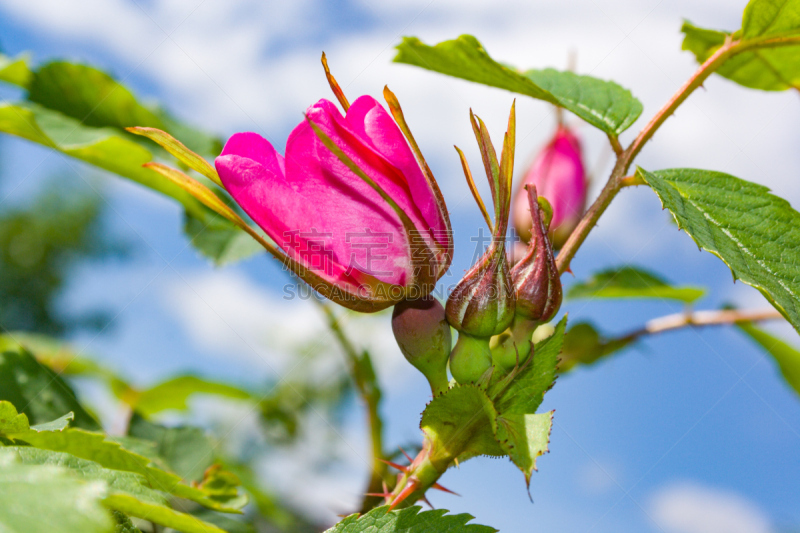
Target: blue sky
<point>690,432</point>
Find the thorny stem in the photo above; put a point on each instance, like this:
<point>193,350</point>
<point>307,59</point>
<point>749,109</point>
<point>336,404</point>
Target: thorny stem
<point>625,158</point>
<point>360,366</point>
<point>703,318</point>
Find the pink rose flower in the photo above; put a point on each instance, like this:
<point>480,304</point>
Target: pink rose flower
<point>363,239</point>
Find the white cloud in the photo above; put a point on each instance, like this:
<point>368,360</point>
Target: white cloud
<point>691,508</point>
<point>228,316</point>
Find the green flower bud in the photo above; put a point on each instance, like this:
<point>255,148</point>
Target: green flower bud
<point>470,359</point>
<point>423,334</point>
<point>482,304</point>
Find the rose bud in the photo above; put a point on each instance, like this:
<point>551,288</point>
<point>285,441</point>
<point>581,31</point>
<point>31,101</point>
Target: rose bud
<point>423,334</point>
<point>559,175</point>
<point>353,207</point>
<point>482,304</point>
<point>537,283</point>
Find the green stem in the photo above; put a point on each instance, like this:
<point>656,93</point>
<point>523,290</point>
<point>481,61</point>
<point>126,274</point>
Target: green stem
<point>361,370</point>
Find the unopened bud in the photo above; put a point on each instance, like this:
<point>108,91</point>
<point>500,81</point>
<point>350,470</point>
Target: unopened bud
<point>423,334</point>
<point>559,175</point>
<point>536,280</point>
<point>482,304</point>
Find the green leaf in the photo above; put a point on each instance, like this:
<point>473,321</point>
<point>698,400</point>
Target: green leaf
<point>769,68</point>
<point>114,151</point>
<point>787,356</point>
<point>117,481</point>
<point>583,345</point>
<point>754,232</point>
<point>95,447</point>
<point>36,390</point>
<point>15,71</point>
<point>463,422</point>
<point>768,18</point>
<point>186,450</point>
<point>219,240</point>
<point>36,498</point>
<point>524,438</point>
<point>602,104</point>
<point>159,514</point>
<point>88,95</point>
<point>56,425</point>
<point>632,282</point>
<point>526,392</point>
<point>127,492</point>
<point>124,524</point>
<point>409,520</point>
<point>173,393</point>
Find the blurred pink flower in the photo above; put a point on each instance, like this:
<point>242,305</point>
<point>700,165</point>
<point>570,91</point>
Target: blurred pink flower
<point>362,248</point>
<point>559,175</point>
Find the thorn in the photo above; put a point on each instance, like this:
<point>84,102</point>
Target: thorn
<point>405,493</point>
<point>456,462</point>
<point>410,460</point>
<point>426,501</point>
<point>444,489</point>
<point>394,465</point>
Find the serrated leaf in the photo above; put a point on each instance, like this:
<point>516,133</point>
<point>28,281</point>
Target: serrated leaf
<point>15,71</point>
<point>632,282</point>
<point>408,520</point>
<point>758,67</point>
<point>754,232</point>
<point>525,438</point>
<point>56,425</point>
<point>526,392</point>
<point>37,498</point>
<point>173,393</point>
<point>159,514</point>
<point>787,356</point>
<point>129,483</point>
<point>602,104</point>
<point>583,345</point>
<point>463,422</point>
<point>35,389</point>
<point>95,447</point>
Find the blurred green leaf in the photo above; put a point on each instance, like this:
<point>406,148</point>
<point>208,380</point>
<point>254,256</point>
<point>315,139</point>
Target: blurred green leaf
<point>36,390</point>
<point>186,450</point>
<point>36,498</point>
<point>757,67</point>
<point>754,232</point>
<point>173,393</point>
<point>410,520</point>
<point>219,240</point>
<point>526,392</point>
<point>88,95</point>
<point>787,356</point>
<point>55,425</point>
<point>160,514</point>
<point>603,104</point>
<point>524,438</point>
<point>584,345</point>
<point>632,282</point>
<point>95,447</point>
<point>15,71</point>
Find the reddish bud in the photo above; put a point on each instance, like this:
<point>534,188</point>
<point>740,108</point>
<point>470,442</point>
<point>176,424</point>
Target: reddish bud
<point>536,279</point>
<point>559,175</point>
<point>423,334</point>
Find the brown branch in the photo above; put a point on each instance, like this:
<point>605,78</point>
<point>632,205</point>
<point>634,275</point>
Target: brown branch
<point>704,318</point>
